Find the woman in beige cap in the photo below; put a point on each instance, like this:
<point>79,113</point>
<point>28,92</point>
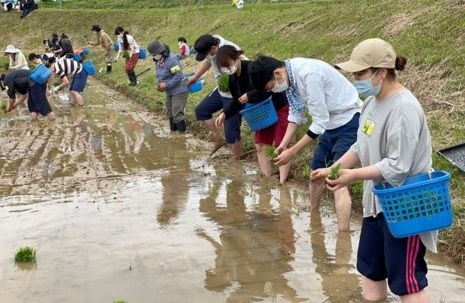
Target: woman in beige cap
<point>393,143</point>
<point>17,59</point>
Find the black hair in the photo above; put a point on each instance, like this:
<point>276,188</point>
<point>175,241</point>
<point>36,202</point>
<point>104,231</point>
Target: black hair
<point>63,36</point>
<point>33,56</point>
<point>182,39</point>
<point>119,30</point>
<point>261,71</point>
<point>51,60</point>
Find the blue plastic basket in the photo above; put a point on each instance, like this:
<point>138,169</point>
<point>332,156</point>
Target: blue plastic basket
<point>142,53</point>
<point>420,204</point>
<point>89,67</point>
<point>260,115</point>
<point>86,51</point>
<point>77,57</point>
<point>116,46</point>
<point>40,74</point>
<point>196,87</point>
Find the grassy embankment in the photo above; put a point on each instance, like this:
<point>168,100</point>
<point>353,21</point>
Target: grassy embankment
<point>428,32</point>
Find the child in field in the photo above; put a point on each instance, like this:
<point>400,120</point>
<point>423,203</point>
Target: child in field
<point>393,143</point>
<point>170,79</point>
<point>128,49</point>
<point>228,59</point>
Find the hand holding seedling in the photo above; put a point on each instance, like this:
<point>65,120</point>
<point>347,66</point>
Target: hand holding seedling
<point>284,156</point>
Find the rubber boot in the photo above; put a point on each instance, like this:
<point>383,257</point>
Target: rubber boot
<point>172,125</point>
<point>181,126</point>
<point>108,67</point>
<point>132,78</point>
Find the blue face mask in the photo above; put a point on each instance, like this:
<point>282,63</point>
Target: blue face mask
<point>366,88</point>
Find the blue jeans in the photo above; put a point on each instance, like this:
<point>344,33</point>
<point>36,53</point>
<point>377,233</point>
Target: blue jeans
<point>214,102</point>
<point>334,143</point>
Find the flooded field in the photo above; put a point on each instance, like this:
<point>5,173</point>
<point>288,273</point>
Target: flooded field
<point>120,209</point>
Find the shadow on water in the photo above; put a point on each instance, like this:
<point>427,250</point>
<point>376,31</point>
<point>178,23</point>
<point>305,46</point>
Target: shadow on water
<point>118,208</point>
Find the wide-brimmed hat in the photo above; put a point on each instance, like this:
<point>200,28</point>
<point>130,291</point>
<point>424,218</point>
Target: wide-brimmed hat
<point>373,52</point>
<point>10,49</point>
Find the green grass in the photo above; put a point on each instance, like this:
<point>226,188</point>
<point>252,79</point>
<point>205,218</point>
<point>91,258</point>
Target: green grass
<point>429,33</point>
<point>25,254</point>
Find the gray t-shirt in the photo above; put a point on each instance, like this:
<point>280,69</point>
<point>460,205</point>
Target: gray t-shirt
<point>394,135</point>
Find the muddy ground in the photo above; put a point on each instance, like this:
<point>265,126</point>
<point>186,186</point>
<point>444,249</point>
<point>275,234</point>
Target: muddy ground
<point>118,208</point>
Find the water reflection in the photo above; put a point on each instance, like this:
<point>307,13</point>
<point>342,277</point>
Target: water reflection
<point>134,135</point>
<point>254,249</point>
<point>175,184</point>
<point>339,280</point>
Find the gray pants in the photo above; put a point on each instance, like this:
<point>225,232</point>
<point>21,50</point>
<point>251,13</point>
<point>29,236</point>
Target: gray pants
<point>175,105</point>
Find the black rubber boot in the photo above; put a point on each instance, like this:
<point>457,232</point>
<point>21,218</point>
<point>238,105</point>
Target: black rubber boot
<point>132,78</point>
<point>172,125</point>
<point>108,67</point>
<point>181,126</point>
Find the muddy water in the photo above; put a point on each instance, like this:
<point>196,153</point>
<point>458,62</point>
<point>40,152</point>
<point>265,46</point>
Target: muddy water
<point>120,209</point>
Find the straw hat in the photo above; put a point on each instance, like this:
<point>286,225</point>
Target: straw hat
<point>10,49</point>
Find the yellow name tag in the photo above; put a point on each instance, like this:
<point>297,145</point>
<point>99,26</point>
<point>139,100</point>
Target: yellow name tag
<point>368,126</point>
<point>175,69</point>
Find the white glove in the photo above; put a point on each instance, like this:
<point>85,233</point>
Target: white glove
<point>55,89</point>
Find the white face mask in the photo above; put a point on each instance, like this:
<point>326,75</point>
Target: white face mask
<point>278,88</point>
<point>157,57</point>
<point>210,57</point>
<point>120,35</point>
<point>229,70</point>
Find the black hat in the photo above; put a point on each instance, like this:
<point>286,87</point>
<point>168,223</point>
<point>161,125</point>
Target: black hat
<point>202,46</point>
<point>96,28</point>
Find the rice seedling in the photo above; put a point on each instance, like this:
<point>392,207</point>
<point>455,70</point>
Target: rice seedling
<point>223,83</point>
<point>270,151</point>
<point>25,254</point>
<point>334,172</point>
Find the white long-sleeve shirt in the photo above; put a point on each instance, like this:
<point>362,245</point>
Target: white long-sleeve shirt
<point>19,62</point>
<point>133,46</point>
<point>331,100</point>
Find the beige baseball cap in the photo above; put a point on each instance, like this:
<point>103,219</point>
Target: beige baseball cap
<point>370,53</point>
